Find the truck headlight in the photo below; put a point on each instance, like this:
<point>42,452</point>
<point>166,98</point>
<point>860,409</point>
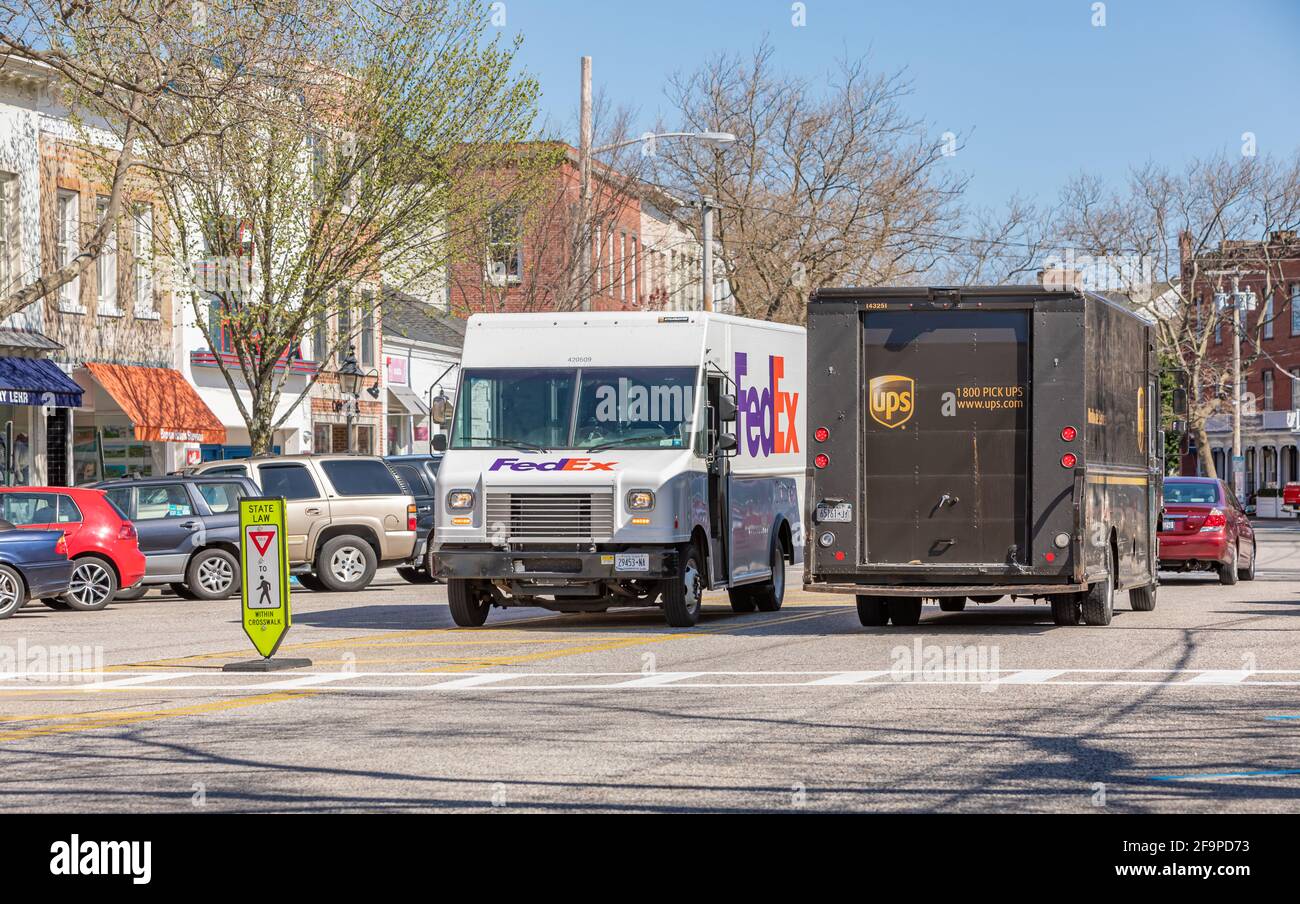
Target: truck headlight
<point>640,500</point>
<point>459,500</point>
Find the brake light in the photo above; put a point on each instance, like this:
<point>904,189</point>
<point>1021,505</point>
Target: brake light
<point>126,531</point>
<point>410,517</point>
<point>822,460</point>
<point>1215,520</point>
<point>61,545</point>
<point>1068,460</point>
<point>821,434</point>
<point>1069,434</point>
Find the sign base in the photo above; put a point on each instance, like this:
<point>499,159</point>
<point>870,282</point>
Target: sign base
<point>266,665</point>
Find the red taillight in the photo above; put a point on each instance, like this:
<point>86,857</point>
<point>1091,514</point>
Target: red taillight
<point>821,434</point>
<point>61,545</point>
<point>1068,460</point>
<point>126,531</point>
<point>1069,434</point>
<point>410,517</point>
<point>1214,520</point>
<point>822,460</point>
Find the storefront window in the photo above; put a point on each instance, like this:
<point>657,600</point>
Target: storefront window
<point>104,451</point>
<point>15,445</point>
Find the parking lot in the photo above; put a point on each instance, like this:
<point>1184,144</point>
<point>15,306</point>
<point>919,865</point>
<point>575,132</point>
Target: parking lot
<point>1188,708</point>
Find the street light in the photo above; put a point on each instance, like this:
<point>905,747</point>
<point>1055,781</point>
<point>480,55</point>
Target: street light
<point>349,383</point>
<point>712,139</point>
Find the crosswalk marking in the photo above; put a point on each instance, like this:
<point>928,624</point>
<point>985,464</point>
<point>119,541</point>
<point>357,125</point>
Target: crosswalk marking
<point>844,678</point>
<point>659,679</point>
<point>1030,676</point>
<point>1224,677</point>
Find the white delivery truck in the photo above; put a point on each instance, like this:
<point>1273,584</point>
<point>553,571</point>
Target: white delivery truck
<point>597,460</point>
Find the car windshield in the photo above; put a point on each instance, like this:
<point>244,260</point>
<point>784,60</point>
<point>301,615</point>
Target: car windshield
<point>1191,493</point>
<point>579,408</point>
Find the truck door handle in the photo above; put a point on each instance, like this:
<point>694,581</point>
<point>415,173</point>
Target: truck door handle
<point>313,511</point>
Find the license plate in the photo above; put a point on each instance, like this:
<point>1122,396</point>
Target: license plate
<point>841,512</point>
<point>626,561</point>
<point>1166,525</point>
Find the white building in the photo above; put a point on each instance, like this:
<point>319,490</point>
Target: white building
<point>421,358</point>
<point>672,258</point>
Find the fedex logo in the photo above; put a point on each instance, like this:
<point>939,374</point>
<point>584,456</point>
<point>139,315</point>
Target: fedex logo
<point>765,413</point>
<point>564,464</point>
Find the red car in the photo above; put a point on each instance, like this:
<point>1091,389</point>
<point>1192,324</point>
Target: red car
<point>1204,528</point>
<point>1291,498</point>
<point>102,543</point>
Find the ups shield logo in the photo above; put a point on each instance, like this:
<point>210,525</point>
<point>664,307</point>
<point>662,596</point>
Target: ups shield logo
<point>892,399</point>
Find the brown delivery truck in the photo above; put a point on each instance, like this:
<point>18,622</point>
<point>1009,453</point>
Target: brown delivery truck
<point>970,444</point>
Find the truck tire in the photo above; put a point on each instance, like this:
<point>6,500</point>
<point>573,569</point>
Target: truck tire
<point>346,564</point>
<point>1142,599</point>
<point>905,611</point>
<point>1228,574</point>
<point>683,595</point>
<point>1066,609</point>
<point>469,606</point>
<point>213,574</point>
<point>952,603</point>
<point>1248,574</point>
<point>742,599</point>
<point>769,595</point>
<point>1099,599</point>
<point>873,611</point>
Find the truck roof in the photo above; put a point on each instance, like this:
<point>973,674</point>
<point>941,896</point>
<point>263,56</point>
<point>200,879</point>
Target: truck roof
<point>523,320</point>
<point>957,293</point>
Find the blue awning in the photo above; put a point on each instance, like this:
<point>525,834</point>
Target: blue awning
<point>35,381</point>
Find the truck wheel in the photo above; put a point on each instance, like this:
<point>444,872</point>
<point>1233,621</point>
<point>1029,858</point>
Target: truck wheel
<point>1228,574</point>
<point>468,604</point>
<point>873,611</point>
<point>742,599</point>
<point>769,595</point>
<point>1099,600</point>
<point>952,603</point>
<point>346,563</point>
<point>1142,599</point>
<point>13,592</point>
<point>905,611</point>
<point>1248,574</point>
<point>985,599</point>
<point>1066,610</point>
<point>213,575</point>
<point>684,594</point>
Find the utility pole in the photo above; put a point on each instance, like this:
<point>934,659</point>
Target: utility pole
<point>706,233</point>
<point>584,169</point>
<point>1236,476</point>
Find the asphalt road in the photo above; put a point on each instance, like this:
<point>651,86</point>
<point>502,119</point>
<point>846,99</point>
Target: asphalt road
<point>1190,708</point>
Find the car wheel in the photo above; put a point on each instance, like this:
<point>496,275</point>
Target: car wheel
<point>469,605</point>
<point>346,564</point>
<point>182,591</point>
<point>905,611</point>
<point>414,575</point>
<point>952,603</point>
<point>1228,574</point>
<point>683,595</point>
<point>13,592</point>
<point>1248,573</point>
<point>742,599</point>
<point>213,574</point>
<point>769,595</point>
<point>873,611</point>
<point>92,586</point>
<point>1099,599</point>
<point>310,582</point>
<point>1142,599</point>
<point>131,594</point>
<point>1066,609</point>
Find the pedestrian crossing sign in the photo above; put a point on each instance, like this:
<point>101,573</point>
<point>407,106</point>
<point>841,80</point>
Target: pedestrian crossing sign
<point>264,554</point>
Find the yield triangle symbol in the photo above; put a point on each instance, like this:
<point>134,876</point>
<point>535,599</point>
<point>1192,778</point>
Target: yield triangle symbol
<point>261,539</point>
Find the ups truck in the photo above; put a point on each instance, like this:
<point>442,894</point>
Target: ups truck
<point>970,444</point>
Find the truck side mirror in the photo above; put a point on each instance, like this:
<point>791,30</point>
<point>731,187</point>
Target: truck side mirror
<point>440,410</point>
<point>727,443</point>
<point>440,442</point>
<point>727,408</point>
<point>1178,401</point>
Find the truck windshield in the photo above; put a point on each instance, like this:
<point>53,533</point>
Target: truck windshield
<point>534,408</point>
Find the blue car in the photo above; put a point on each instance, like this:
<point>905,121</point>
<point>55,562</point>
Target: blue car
<point>33,565</point>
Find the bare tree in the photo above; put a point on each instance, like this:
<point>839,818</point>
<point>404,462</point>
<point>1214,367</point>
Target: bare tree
<point>827,184</point>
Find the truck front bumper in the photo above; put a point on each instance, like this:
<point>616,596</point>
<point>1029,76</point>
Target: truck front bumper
<point>542,566</point>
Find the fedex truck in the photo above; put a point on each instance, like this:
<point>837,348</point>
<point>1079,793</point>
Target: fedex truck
<point>600,460</point>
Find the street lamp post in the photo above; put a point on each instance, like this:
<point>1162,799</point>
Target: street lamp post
<point>349,385</point>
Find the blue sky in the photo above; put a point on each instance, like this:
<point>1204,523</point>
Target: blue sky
<point>1037,91</point>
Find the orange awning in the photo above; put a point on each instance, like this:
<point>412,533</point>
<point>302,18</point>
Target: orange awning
<point>160,404</point>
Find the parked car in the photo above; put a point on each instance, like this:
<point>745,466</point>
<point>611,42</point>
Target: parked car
<point>33,565</point>
<point>188,529</point>
<point>102,542</point>
<point>1204,528</point>
<point>1291,499</point>
<point>419,473</point>
<point>346,514</point>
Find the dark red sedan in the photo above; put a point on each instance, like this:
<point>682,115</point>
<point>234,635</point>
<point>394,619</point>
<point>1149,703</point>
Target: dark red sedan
<point>1204,528</point>
<point>102,544</point>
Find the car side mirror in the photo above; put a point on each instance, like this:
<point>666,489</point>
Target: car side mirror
<point>440,410</point>
<point>727,408</point>
<point>727,443</point>
<point>440,442</point>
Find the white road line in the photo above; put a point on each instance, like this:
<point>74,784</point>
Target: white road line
<point>1030,676</point>
<point>659,679</point>
<point>309,681</point>
<point>847,678</point>
<point>1225,677</point>
<point>133,680</point>
<point>469,681</point>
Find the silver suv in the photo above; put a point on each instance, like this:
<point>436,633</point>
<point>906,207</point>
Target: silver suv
<point>346,514</point>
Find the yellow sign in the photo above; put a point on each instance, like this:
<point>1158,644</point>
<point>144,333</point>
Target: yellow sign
<point>892,399</point>
<point>264,554</point>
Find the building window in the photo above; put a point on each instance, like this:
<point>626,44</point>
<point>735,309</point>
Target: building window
<point>1295,309</point>
<point>344,325</point>
<point>67,245</point>
<point>1268,318</point>
<point>9,243</point>
<point>320,340</point>
<point>636,286</point>
<point>367,356</point>
<point>505,265</point>
<point>1295,387</point>
<point>142,261</point>
<point>1268,390</point>
<point>106,264</point>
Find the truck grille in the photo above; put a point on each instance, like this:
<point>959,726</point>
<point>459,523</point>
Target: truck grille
<point>551,516</point>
